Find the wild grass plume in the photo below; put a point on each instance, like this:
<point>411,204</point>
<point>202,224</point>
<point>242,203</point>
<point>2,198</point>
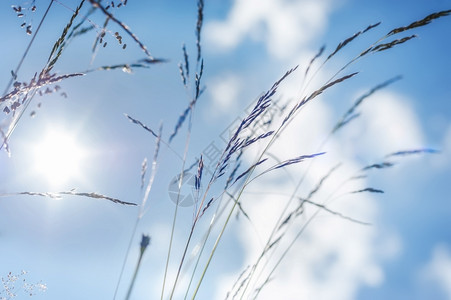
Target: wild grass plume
<point>262,188</point>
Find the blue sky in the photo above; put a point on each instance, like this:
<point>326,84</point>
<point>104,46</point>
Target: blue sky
<point>76,245</point>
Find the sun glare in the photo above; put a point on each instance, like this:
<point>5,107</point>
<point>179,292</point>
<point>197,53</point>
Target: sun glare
<point>58,158</point>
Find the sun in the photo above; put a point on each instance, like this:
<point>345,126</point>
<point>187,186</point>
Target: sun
<point>58,157</point>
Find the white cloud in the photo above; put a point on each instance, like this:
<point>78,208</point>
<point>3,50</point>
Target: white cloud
<point>443,161</point>
<point>388,124</point>
<point>334,257</point>
<point>438,269</point>
<point>224,91</point>
<point>284,26</point>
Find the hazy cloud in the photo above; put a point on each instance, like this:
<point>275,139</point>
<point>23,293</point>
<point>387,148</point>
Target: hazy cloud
<point>283,26</point>
<point>438,269</point>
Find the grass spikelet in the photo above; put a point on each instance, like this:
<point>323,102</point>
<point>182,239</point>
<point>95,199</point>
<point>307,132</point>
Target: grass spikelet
<point>97,196</point>
<point>96,3</point>
<point>232,175</point>
<point>294,161</point>
<point>250,169</point>
<point>421,22</point>
<point>133,120</point>
<point>77,30</point>
<point>184,68</point>
<point>182,75</point>
<point>200,19</point>
<point>180,121</point>
<point>236,283</point>
<point>325,87</point>
<point>253,140</point>
<point>198,177</point>
<point>99,37</point>
<point>127,68</point>
<point>191,105</point>
<point>321,181</point>
<point>19,65</point>
<point>371,27</point>
<point>145,241</point>
<point>43,81</point>
<point>58,195</point>
<point>198,80</point>
<point>240,207</point>
<point>342,44</point>
<point>186,62</point>
<point>59,44</point>
<point>262,104</point>
<point>386,46</point>
<point>410,152</point>
<point>313,95</point>
<point>350,115</point>
<point>320,52</point>
<point>383,165</point>
<point>369,190</point>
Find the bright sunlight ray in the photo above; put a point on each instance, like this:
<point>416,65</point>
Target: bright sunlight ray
<point>58,157</point>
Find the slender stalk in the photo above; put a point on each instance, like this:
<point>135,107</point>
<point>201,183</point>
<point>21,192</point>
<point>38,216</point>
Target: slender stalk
<point>144,243</point>
<point>125,259</point>
<point>141,210</point>
<point>134,278</point>
<point>174,219</point>
<point>214,248</point>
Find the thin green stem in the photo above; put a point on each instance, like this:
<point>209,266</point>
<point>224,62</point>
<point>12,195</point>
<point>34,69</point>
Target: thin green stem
<point>174,219</point>
<point>134,276</point>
